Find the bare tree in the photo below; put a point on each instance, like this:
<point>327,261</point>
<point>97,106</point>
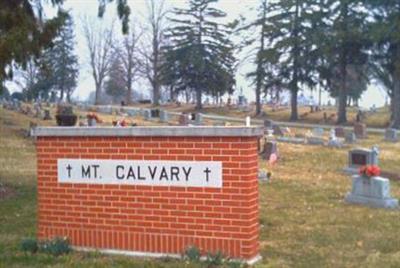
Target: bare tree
<point>99,43</point>
<point>129,56</point>
<point>156,19</point>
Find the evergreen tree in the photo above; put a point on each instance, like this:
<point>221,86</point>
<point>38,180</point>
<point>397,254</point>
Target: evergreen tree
<point>293,41</point>
<point>64,61</point>
<point>24,32</point>
<point>264,59</point>
<point>385,34</point>
<point>345,46</point>
<point>202,50</point>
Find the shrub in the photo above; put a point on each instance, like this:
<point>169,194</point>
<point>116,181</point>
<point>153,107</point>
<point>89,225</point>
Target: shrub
<point>192,253</point>
<point>29,245</point>
<point>56,246</point>
<point>215,259</point>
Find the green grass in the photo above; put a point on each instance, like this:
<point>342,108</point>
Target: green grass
<point>305,222</point>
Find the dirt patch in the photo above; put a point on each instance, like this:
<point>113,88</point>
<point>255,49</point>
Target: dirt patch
<point>6,192</point>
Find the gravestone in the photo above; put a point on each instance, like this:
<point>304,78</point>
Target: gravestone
<point>360,130</point>
<point>155,113</point>
<point>164,116</point>
<point>47,115</point>
<point>339,132</point>
<point>361,157</point>
<point>105,109</point>
<point>391,135</point>
<point>132,112</point>
<point>198,119</point>
<point>277,130</point>
<point>374,191</point>
<point>312,140</point>
<point>270,147</point>
<point>318,132</point>
<point>184,119</point>
<point>292,140</point>
<point>350,137</point>
<point>146,114</point>
<point>333,140</point>
<point>268,124</point>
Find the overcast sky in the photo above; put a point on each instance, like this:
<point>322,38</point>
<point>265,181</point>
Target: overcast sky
<point>233,8</point>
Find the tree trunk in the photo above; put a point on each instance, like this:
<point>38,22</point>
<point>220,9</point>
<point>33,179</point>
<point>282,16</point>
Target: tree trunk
<point>198,99</point>
<point>129,90</point>
<point>319,96</point>
<point>61,95</point>
<point>258,98</point>
<point>293,101</point>
<point>69,96</point>
<point>171,94</point>
<point>156,94</point>
<point>342,115</point>
<point>98,94</point>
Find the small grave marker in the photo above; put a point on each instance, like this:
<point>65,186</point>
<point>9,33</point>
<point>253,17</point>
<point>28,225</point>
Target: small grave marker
<point>270,147</point>
<point>391,135</point>
<point>183,119</point>
<point>339,132</point>
<point>360,130</point>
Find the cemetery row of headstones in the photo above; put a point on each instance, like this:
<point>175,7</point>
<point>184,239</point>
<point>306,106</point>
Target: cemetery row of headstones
<point>38,111</point>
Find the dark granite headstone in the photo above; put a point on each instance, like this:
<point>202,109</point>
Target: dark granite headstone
<point>270,147</point>
<point>47,115</point>
<point>339,132</point>
<point>277,130</point>
<point>155,113</point>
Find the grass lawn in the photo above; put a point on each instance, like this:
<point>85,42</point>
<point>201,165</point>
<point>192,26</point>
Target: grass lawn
<point>305,222</point>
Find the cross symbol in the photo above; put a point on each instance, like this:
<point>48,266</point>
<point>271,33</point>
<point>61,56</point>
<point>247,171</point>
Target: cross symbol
<point>69,170</point>
<point>207,171</point>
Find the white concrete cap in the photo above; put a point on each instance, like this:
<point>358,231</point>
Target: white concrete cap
<point>154,131</point>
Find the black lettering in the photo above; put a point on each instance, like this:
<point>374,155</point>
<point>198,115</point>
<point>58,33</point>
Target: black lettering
<point>95,170</point>
<point>163,174</point>
<point>69,170</point>
<point>131,173</point>
<point>187,172</point>
<point>140,177</point>
<point>120,176</point>
<point>174,172</point>
<point>152,172</point>
<point>207,171</point>
<point>86,173</point>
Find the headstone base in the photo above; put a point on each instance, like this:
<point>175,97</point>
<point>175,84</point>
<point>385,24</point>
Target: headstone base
<point>374,192</point>
<point>315,141</point>
<point>291,140</point>
<point>373,202</point>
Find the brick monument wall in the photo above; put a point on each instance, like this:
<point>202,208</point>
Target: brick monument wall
<point>152,219</point>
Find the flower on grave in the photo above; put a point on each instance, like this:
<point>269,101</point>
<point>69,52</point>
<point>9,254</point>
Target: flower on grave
<point>370,171</point>
<point>120,123</point>
<point>94,116</point>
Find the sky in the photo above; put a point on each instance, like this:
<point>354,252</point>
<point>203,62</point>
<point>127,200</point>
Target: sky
<point>79,9</point>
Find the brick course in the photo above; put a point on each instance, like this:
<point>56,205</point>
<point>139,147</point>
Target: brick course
<point>152,219</point>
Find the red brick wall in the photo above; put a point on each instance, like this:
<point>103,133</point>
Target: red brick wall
<point>148,218</point>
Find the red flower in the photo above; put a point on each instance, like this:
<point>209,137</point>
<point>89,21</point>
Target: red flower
<point>370,171</point>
